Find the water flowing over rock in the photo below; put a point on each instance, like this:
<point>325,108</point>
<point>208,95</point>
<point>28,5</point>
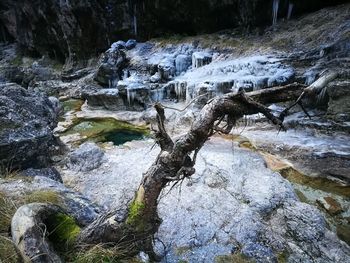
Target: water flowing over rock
<point>26,130</point>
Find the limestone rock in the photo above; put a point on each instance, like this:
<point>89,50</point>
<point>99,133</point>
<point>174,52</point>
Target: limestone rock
<point>27,120</point>
<point>233,204</point>
<point>49,172</point>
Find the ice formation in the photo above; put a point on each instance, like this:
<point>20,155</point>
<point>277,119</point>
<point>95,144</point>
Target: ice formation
<point>275,7</point>
<point>249,73</point>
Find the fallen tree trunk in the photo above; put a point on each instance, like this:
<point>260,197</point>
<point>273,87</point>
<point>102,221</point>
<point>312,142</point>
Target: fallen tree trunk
<point>176,161</point>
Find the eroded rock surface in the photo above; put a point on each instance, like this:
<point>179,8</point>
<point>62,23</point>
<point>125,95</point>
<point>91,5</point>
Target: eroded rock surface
<point>231,204</point>
<point>26,130</point>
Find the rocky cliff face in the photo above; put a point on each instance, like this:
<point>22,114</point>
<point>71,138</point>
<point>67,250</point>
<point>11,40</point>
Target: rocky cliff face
<point>77,29</point>
<point>57,28</point>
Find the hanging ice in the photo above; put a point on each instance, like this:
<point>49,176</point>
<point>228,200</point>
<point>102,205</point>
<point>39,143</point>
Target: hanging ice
<point>130,95</point>
<point>200,59</point>
<point>249,73</point>
<point>275,7</point>
<point>135,20</point>
<point>290,10</point>
<point>158,94</point>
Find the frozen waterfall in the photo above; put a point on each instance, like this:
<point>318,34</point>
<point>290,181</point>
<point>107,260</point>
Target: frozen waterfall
<point>275,7</point>
<point>290,10</point>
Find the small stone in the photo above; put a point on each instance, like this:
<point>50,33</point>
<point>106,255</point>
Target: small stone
<point>130,44</point>
<point>330,204</point>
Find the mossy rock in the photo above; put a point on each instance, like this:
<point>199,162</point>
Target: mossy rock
<point>343,232</point>
<point>318,183</point>
<point>283,257</point>
<point>8,251</point>
<point>9,205</point>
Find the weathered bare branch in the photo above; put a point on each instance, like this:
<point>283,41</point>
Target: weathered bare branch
<point>162,137</point>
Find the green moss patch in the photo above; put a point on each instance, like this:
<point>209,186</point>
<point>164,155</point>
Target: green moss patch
<point>63,231</point>
<point>135,216</point>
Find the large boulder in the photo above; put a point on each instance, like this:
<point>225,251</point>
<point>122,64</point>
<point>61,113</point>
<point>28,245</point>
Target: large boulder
<point>111,65</point>
<point>27,121</point>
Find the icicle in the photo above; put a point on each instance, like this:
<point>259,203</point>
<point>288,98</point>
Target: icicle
<point>135,21</point>
<point>158,94</point>
<point>180,89</point>
<point>130,95</point>
<point>290,10</point>
<point>275,7</point>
